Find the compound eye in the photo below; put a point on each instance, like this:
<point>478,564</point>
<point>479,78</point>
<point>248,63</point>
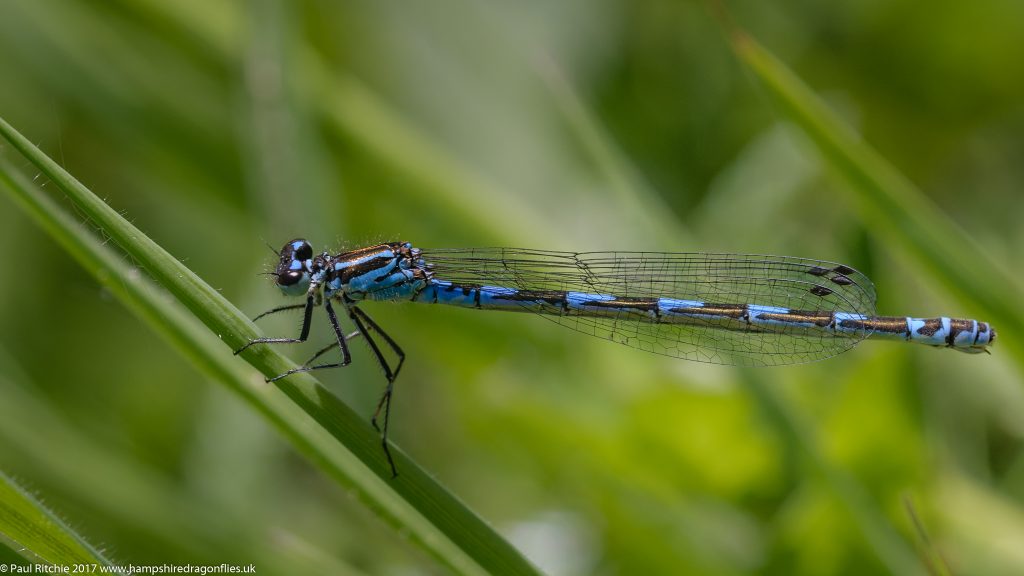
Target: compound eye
<point>303,251</point>
<point>297,249</point>
<point>290,278</point>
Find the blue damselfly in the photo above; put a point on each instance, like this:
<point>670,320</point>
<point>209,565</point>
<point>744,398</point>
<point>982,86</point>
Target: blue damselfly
<point>738,309</point>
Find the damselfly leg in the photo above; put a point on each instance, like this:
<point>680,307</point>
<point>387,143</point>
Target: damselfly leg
<point>307,318</point>
<point>279,309</point>
<point>358,316</point>
<point>341,344</point>
<point>364,324</point>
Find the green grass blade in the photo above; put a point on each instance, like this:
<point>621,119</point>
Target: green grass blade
<point>928,550</point>
<point>893,205</point>
<point>105,478</point>
<point>891,549</point>
<point>414,503</point>
<point>31,530</point>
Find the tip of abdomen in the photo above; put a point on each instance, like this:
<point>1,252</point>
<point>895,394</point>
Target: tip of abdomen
<point>965,335</point>
<point>973,337</point>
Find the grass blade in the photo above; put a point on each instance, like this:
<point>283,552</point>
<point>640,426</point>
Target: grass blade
<point>31,530</point>
<point>414,503</point>
<point>891,549</point>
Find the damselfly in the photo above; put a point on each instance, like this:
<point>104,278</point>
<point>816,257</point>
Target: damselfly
<point>739,309</point>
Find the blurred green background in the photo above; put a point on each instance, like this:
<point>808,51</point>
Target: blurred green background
<point>217,127</point>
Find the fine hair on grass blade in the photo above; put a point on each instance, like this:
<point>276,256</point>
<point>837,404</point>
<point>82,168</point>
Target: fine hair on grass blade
<point>414,503</point>
<point>34,532</point>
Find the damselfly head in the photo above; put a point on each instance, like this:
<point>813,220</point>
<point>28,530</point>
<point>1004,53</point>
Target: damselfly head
<point>295,267</point>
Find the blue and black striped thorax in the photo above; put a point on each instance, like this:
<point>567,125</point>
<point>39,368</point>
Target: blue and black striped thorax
<point>391,271</point>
